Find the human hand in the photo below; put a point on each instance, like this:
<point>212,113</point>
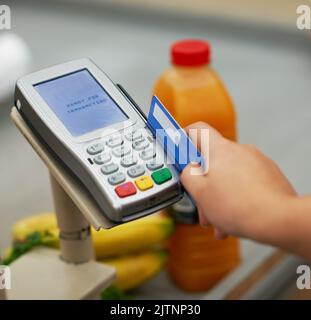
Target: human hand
<point>242,191</point>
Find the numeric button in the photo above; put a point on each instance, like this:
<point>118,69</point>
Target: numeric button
<point>95,148</point>
<point>128,161</point>
<point>136,171</point>
<point>121,151</point>
<point>102,158</point>
<point>140,144</point>
<point>114,141</point>
<point>147,154</point>
<point>117,178</point>
<point>134,135</point>
<point>154,166</point>
<point>109,168</point>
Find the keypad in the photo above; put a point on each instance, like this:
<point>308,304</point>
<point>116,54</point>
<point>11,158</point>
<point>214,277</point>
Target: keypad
<point>127,150</point>
<point>109,168</point>
<point>128,161</point>
<point>95,148</point>
<point>102,158</point>
<point>117,178</point>
<point>136,171</point>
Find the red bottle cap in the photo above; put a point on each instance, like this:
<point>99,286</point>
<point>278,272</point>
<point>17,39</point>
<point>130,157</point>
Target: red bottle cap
<point>190,52</point>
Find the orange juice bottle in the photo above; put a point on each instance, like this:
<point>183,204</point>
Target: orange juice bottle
<point>192,91</point>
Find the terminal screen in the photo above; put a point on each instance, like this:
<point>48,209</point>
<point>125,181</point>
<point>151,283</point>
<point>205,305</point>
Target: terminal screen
<point>80,102</point>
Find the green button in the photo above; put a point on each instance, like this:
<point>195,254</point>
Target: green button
<point>161,176</point>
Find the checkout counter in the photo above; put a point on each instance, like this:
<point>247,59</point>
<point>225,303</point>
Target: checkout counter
<point>245,55</point>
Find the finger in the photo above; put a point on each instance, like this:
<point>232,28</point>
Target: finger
<point>220,235</point>
<point>204,137</point>
<point>192,183</point>
<point>201,125</point>
<point>196,130</point>
<point>203,218</point>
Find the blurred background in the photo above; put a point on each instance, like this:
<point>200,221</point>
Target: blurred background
<point>263,59</point>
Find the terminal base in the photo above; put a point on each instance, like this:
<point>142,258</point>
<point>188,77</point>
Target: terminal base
<point>42,275</point>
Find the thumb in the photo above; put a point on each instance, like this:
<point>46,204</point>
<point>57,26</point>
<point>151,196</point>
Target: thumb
<point>196,128</point>
<point>192,183</point>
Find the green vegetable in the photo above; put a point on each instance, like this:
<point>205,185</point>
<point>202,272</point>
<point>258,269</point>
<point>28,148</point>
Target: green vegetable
<point>32,241</point>
<point>114,293</point>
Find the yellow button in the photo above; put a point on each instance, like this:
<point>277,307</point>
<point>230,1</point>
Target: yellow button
<point>144,183</point>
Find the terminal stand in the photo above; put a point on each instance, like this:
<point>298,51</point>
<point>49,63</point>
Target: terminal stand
<point>72,273</point>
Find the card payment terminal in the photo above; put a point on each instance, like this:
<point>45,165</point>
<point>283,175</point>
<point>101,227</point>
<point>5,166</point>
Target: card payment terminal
<point>101,136</point>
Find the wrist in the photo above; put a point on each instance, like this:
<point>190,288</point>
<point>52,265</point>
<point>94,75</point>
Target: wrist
<point>276,218</point>
<point>295,235</point>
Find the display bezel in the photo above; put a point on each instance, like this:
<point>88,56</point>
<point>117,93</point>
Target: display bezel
<point>36,86</point>
<point>28,83</point>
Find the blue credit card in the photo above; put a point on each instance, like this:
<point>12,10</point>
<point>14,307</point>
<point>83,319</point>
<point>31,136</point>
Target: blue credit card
<point>178,148</point>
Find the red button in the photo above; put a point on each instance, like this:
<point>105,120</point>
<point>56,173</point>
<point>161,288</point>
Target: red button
<point>125,190</point>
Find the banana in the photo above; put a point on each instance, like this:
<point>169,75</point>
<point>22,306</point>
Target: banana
<point>135,269</point>
<point>130,237</point>
<point>40,222</point>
